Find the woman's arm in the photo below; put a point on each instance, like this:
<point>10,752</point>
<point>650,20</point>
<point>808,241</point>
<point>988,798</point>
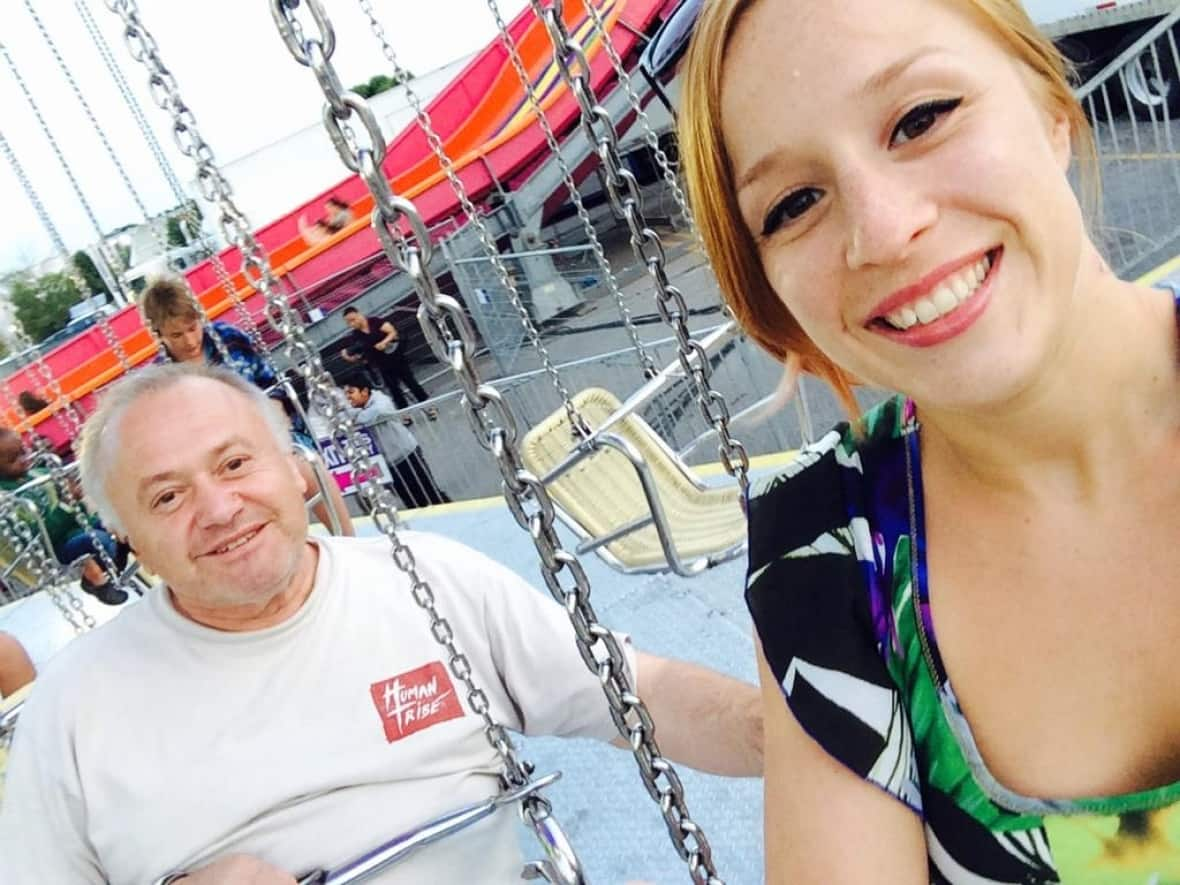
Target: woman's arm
<point>822,822</point>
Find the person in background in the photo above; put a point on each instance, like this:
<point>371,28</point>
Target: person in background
<point>30,403</point>
<point>375,341</point>
<point>169,308</point>
<point>337,216</point>
<point>967,599</point>
<point>412,479</point>
<point>72,538</point>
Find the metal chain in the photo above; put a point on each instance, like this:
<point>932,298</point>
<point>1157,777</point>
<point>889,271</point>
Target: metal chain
<point>51,230</point>
<point>279,314</point>
<point>64,404</point>
<point>104,50</point>
<point>61,481</point>
<point>154,225</point>
<point>42,565</point>
<point>188,207</point>
<point>623,190</point>
<point>649,134</point>
<point>112,258</point>
<point>452,338</point>
<point>577,420</point>
<point>648,365</point>
<point>384,513</point>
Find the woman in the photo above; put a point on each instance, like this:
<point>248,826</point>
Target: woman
<point>169,310</point>
<point>902,218</point>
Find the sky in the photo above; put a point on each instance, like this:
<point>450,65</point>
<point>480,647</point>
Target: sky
<point>233,71</point>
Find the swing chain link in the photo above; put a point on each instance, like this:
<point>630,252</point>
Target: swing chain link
<point>382,193</point>
<point>647,364</point>
<point>189,210</point>
<point>651,139</point>
<point>451,338</point>
<point>516,771</point>
<point>623,192</point>
<point>302,353</point>
<point>109,256</point>
<point>46,571</point>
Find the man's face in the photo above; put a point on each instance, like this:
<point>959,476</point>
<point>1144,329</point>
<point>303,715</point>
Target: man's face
<point>355,320</point>
<point>208,498</point>
<point>358,396</point>
<point>184,337</point>
<point>14,463</point>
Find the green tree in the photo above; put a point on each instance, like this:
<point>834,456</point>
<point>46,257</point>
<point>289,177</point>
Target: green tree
<point>379,83</point>
<point>88,270</point>
<point>42,306</point>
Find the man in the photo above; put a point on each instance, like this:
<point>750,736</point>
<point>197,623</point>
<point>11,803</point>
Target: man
<point>279,704</point>
<point>170,309</point>
<point>72,538</point>
<point>412,479</point>
<point>375,341</point>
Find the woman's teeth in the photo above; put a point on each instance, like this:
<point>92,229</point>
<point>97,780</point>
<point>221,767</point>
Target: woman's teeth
<point>949,295</point>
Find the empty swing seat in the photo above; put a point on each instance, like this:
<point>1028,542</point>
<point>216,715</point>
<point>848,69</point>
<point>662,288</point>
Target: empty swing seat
<point>599,493</point>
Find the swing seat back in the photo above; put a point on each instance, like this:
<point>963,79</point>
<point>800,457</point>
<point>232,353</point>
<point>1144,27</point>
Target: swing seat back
<point>628,496</point>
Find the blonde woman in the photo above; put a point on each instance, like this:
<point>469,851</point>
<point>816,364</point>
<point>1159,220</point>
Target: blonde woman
<point>967,601</point>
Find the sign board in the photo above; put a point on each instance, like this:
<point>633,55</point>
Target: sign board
<point>341,469</point>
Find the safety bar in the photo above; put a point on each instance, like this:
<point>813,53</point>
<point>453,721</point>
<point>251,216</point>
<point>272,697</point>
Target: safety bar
<point>651,492</point>
<point>395,850</point>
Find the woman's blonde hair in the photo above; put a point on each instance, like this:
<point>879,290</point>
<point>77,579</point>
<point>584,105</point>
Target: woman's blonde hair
<point>713,195</point>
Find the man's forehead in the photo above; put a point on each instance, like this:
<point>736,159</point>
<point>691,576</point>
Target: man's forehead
<point>186,421</point>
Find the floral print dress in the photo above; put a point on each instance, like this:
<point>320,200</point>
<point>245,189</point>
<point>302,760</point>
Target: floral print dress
<point>837,589</point>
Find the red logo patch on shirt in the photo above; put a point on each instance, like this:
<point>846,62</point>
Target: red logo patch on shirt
<point>415,700</point>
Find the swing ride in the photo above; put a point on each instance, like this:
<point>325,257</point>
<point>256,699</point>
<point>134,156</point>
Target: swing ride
<point>561,89</point>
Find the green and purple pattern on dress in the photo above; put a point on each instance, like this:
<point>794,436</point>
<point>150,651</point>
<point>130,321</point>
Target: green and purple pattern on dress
<point>837,585</point>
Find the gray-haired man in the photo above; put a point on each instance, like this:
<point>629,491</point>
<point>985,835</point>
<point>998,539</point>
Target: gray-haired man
<point>277,705</point>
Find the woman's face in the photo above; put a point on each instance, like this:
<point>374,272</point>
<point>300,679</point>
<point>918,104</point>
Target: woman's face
<point>906,191</point>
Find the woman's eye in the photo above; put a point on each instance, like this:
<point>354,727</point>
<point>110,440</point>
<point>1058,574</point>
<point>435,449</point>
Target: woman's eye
<point>790,208</point>
<point>234,464</point>
<point>164,500</point>
<point>919,120</point>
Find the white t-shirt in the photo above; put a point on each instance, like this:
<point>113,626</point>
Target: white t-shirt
<point>155,744</point>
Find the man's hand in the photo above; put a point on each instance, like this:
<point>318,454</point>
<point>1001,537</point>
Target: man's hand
<point>238,869</point>
<point>350,358</point>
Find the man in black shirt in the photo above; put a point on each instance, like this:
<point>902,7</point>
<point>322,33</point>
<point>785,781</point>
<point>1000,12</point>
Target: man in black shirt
<point>375,341</point>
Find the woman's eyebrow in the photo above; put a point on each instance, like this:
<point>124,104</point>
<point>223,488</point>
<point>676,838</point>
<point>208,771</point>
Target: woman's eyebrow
<point>892,71</point>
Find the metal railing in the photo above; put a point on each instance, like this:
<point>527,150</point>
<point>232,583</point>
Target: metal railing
<point>1134,107</point>
<point>462,469</point>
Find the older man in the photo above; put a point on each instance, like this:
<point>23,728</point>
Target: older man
<point>278,704</point>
